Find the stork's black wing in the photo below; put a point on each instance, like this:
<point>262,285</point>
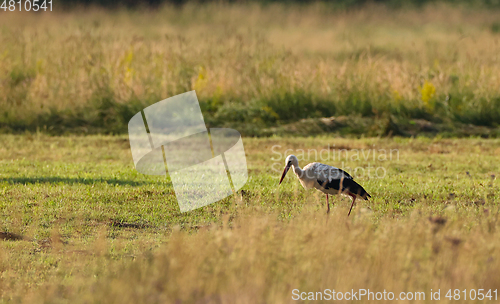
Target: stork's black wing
<point>344,185</point>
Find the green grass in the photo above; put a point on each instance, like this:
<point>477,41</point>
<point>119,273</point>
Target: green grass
<point>253,67</point>
<point>70,196</point>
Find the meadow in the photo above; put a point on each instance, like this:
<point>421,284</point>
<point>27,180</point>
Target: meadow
<point>80,225</point>
<point>384,93</point>
<point>258,68</point>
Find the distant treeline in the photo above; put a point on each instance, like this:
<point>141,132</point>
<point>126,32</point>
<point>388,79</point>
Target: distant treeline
<point>334,3</point>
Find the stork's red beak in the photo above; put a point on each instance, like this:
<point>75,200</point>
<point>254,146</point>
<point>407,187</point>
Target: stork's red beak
<point>287,167</point>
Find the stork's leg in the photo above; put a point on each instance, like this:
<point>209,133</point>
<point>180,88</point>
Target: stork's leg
<point>353,200</point>
<point>327,205</point>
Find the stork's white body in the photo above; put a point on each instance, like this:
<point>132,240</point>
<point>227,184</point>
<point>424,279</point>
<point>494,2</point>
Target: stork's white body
<point>313,173</point>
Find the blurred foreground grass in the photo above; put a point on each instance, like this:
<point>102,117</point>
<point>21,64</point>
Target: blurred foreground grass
<point>95,231</point>
<point>253,67</point>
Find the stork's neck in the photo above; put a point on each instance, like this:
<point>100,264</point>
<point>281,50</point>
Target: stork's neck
<point>297,170</point>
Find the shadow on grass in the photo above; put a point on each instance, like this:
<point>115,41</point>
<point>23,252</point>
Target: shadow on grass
<point>71,181</point>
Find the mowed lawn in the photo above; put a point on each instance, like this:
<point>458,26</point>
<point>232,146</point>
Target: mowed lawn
<point>96,231</point>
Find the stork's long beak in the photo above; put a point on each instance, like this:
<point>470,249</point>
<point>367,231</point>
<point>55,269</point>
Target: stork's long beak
<point>287,167</point>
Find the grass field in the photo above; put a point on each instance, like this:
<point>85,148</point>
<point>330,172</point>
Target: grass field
<point>95,231</point>
<point>78,224</point>
<point>253,67</point>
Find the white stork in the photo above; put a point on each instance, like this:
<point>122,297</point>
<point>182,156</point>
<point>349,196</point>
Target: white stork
<point>327,179</point>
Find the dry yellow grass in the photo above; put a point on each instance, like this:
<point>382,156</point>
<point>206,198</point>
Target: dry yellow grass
<point>258,259</point>
<point>366,61</point>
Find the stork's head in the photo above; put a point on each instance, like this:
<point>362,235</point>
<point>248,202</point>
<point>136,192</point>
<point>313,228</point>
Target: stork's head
<point>291,160</point>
